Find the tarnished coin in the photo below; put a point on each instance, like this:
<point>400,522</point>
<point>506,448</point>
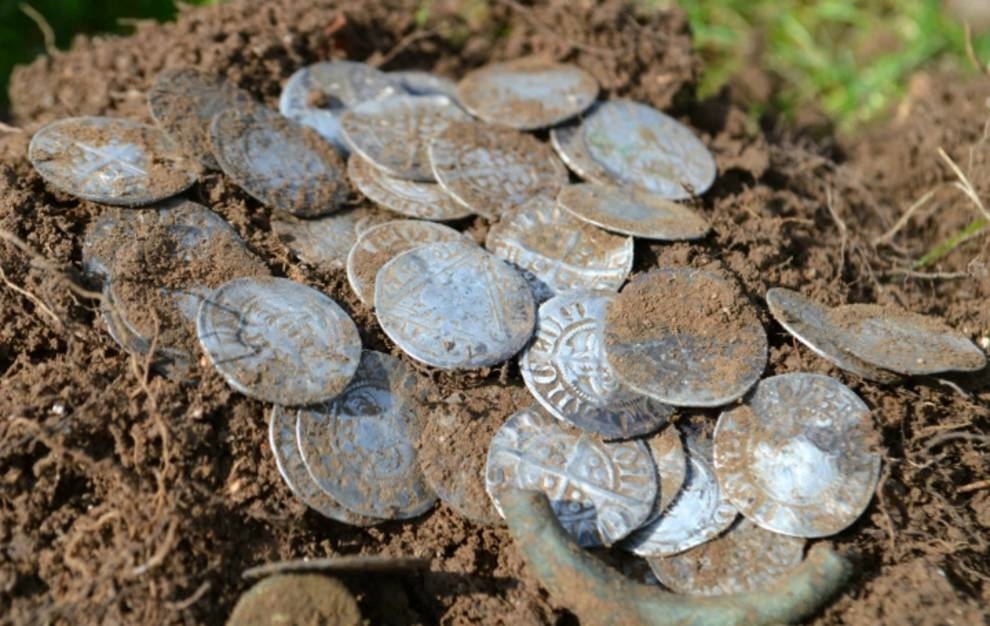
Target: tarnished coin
<point>453,305</point>
<point>427,201</point>
<point>566,371</point>
<point>799,458</point>
<point>283,164</point>
<point>568,142</point>
<point>296,599</point>
<point>278,340</point>
<point>632,212</point>
<point>643,147</point>
<point>600,491</point>
<point>379,244</point>
<point>559,249</point>
<point>686,337</point>
<point>527,93</point>
<point>102,237</point>
<point>490,170</point>
<point>361,447</point>
<point>745,558</point>
<point>392,134</point>
<point>110,160</point>
<point>668,453</point>
<point>420,83</point>
<point>174,362</point>
<point>325,241</point>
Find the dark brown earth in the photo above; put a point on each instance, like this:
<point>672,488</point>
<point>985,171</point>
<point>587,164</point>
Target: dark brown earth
<point>128,498</point>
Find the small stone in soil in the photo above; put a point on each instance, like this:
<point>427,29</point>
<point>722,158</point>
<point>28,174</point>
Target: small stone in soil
<point>420,200</point>
<point>632,212</point>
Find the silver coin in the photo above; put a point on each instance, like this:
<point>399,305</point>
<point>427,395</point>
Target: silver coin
<point>668,453</point>
<point>325,241</point>
<point>278,340</point>
<point>393,134</point>
<point>600,491</point>
<point>102,237</point>
<point>566,371</point>
<point>809,322</point>
<point>378,245</point>
<point>453,305</point>
<point>110,160</point>
<point>632,212</point>
<point>568,142</point>
<point>643,147</point>
<point>172,362</point>
<point>361,447</point>
<point>799,458</point>
<point>420,83</point>
<point>490,170</point>
<point>283,164</point>
<point>527,93</point>
<point>427,201</point>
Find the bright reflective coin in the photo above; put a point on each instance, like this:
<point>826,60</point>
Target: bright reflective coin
<point>110,160</point>
<point>419,83</point>
<point>668,453</point>
<point>600,491</point>
<point>643,147</point>
<point>453,305</point>
<point>799,458</point>
<point>632,212</point>
<point>279,341</point>
<point>326,241</point>
<point>427,201</point>
<point>568,142</point>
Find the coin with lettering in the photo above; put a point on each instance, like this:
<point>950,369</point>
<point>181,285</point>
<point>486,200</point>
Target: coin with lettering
<point>421,200</point>
<point>632,212</point>
<point>326,241</point>
<point>420,83</point>
<point>568,142</point>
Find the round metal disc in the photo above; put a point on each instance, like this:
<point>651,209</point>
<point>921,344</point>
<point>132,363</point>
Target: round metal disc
<point>668,453</point>
<point>296,599</point>
<point>600,491</point>
<point>632,212</point>
<point>643,147</point>
<point>568,142</point>
<point>110,160</point>
<point>427,201</point>
<point>566,371</point>
<point>799,457</point>
<point>102,237</point>
<point>278,340</point>
<point>325,241</point>
<point>453,305</point>
<point>420,83</point>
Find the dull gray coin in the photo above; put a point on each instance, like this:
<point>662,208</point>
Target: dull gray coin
<point>420,83</point>
<point>527,93</point>
<point>453,305</point>
<point>102,238</point>
<point>643,147</point>
<point>568,142</point>
<point>325,241</point>
<point>668,453</point>
<point>632,212</point>
<point>278,340</point>
<point>110,160</point>
<point>566,371</point>
<point>427,201</point>
<point>799,458</point>
<point>361,447</point>
<point>600,491</point>
<point>296,599</point>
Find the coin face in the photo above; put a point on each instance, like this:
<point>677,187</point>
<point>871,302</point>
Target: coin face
<point>799,458</point>
<point>110,160</point>
<point>361,447</point>
<point>490,170</point>
<point>325,241</point>
<point>527,93</point>
<point>559,249</point>
<point>643,147</point>
<point>422,200</point>
<point>420,83</point>
<point>632,212</point>
<point>453,305</point>
<point>566,371</point>
<point>278,340</point>
<point>686,337</point>
<point>668,453</point>
<point>568,142</point>
<point>600,491</point>
<point>297,599</point>
<point>283,164</point>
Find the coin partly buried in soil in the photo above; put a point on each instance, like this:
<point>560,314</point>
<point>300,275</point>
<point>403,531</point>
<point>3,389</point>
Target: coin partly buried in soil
<point>421,200</point>
<point>326,241</point>
<point>296,599</point>
<point>632,212</point>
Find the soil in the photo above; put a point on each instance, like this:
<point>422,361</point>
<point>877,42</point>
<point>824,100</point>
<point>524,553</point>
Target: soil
<point>128,498</point>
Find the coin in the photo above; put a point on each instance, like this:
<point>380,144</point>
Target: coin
<point>490,170</point>
<point>420,83</point>
<point>296,599</point>
<point>281,163</point>
<point>379,244</point>
<point>110,160</point>
<point>101,239</point>
<point>453,305</point>
<point>799,458</point>
<point>361,447</point>
<point>559,249</point>
<point>566,371</point>
<point>172,362</point>
<point>599,491</point>
<point>671,461</point>
<point>686,337</point>
<point>632,212</point>
<point>527,93</point>
<point>421,200</point>
<point>278,340</point>
<point>643,147</point>
<point>325,241</point>
<point>568,142</point>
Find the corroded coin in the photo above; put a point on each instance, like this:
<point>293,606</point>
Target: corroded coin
<point>296,599</point>
<point>527,93</point>
<point>110,160</point>
<point>420,83</point>
<point>325,241</point>
<point>566,371</point>
<point>422,200</point>
<point>686,337</point>
<point>453,305</point>
<point>668,453</point>
<point>174,362</point>
<point>559,249</point>
<point>600,491</point>
<point>361,447</point>
<point>278,340</point>
<point>632,212</point>
<point>799,458</point>
<point>283,164</point>
<point>490,170</point>
<point>568,142</point>
<point>102,237</point>
<point>643,147</point>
